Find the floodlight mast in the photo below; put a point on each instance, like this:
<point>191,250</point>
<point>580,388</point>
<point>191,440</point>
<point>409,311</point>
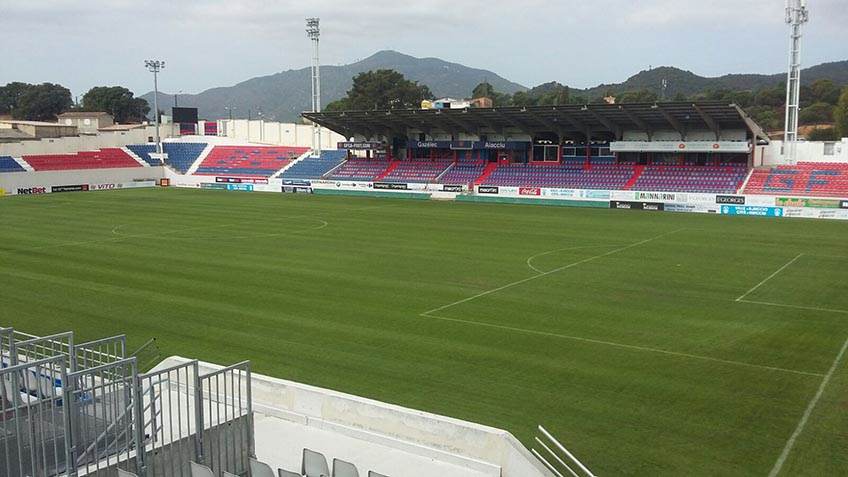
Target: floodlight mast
<point>313,32</point>
<point>155,66</point>
<point>796,15</point>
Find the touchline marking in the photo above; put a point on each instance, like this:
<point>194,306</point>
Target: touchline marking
<point>530,259</point>
<point>624,346</point>
<point>797,307</point>
<point>544,274</point>
<point>758,285</point>
<point>807,412</point>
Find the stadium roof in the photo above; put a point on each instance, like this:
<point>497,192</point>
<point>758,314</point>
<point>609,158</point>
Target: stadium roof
<point>574,120</point>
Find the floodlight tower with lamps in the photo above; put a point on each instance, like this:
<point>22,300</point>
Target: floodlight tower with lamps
<point>313,31</point>
<point>155,66</point>
<point>796,15</point>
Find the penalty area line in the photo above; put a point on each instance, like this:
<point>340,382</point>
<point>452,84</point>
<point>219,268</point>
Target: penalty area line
<point>758,285</point>
<point>544,274</point>
<point>625,346</point>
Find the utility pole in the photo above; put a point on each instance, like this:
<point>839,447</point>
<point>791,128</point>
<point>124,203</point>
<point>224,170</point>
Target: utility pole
<point>155,66</point>
<point>313,31</point>
<point>796,15</point>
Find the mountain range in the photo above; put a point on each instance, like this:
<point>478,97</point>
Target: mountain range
<point>283,96</point>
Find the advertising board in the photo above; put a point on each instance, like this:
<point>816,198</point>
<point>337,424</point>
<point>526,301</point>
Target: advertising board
<point>752,210</point>
<point>69,188</point>
<point>616,204</point>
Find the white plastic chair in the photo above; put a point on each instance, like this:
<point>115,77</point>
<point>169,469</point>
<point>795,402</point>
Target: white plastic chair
<point>344,469</point>
<point>260,469</point>
<point>314,464</point>
<point>200,470</point>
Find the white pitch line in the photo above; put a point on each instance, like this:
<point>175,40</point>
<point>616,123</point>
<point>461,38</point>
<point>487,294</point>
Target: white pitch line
<point>544,274</point>
<point>542,254</point>
<point>797,307</point>
<point>758,285</point>
<point>807,412</point>
<point>625,346</point>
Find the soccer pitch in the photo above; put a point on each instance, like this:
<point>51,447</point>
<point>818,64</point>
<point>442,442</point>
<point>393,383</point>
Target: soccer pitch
<point>649,343</point>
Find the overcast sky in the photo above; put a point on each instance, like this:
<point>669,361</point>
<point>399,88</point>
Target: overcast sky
<point>208,43</point>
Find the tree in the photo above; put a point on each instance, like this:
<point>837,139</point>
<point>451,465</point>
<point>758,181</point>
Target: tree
<point>10,95</point>
<point>823,134</point>
<point>382,89</point>
<point>641,96</point>
<point>117,101</point>
<point>824,91</point>
<point>483,90</point>
<point>840,114</point>
<point>816,113</point>
<point>42,102</point>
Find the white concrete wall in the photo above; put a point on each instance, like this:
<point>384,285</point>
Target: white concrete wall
<point>278,134</point>
<point>74,144</point>
<point>442,439</point>
<point>807,151</point>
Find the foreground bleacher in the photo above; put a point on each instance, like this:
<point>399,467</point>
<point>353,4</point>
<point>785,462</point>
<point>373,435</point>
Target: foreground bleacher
<point>820,179</point>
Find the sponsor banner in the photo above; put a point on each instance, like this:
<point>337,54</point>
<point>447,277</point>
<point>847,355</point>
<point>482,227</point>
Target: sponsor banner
<point>803,202</point>
<point>815,213</point>
<point>691,208</point>
<point>69,188</point>
<point>212,185</point>
<point>360,145</point>
<point>241,180</point>
<point>297,182</point>
<point>345,185</point>
<point>754,210</point>
<point>33,190</point>
<point>466,145</point>
<point>390,186</point>
<point>488,190</point>
<point>843,204</point>
<point>617,204</point>
<point>296,189</point>
<point>453,188</point>
<point>536,191</point>
<point>681,146</point>
<point>240,187</point>
<point>661,196</point>
<point>730,199</point>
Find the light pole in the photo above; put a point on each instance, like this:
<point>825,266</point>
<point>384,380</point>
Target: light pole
<point>155,66</point>
<point>796,15</point>
<point>313,32</point>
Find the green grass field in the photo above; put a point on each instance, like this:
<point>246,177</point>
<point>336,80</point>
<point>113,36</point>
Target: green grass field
<point>620,331</point>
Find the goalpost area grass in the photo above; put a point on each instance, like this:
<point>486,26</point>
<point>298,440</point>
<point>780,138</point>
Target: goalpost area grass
<point>619,331</point>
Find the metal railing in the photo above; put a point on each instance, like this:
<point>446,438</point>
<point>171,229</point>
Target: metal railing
<point>33,419</point>
<point>557,458</point>
<point>71,409</point>
<point>226,417</point>
<point>102,415</point>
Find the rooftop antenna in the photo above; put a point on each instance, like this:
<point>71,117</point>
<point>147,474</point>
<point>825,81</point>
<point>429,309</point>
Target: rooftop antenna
<point>796,15</point>
<point>313,31</point>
